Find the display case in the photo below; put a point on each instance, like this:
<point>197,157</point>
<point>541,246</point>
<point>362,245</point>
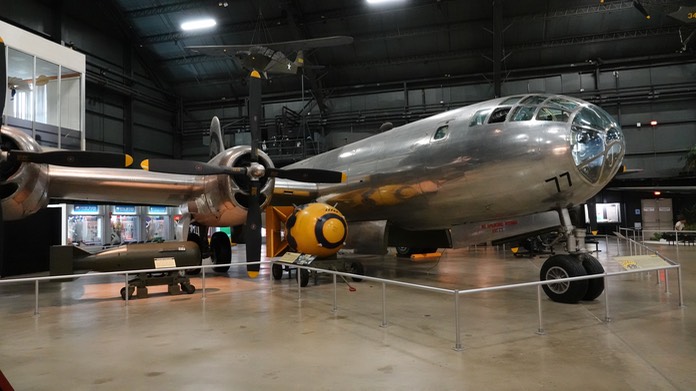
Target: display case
<point>124,224</point>
<point>85,225</point>
<point>45,94</point>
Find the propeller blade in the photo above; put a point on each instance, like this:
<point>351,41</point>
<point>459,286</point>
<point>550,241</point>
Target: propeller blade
<point>252,231</point>
<point>73,158</point>
<point>188,167</point>
<point>254,113</point>
<point>3,74</point>
<point>308,175</point>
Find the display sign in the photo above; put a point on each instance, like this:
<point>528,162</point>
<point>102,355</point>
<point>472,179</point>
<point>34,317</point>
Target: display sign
<point>606,213</point>
<point>162,263</point>
<point>157,210</point>
<point>86,209</point>
<point>124,209</point>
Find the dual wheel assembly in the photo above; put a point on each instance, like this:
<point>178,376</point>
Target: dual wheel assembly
<point>572,265</point>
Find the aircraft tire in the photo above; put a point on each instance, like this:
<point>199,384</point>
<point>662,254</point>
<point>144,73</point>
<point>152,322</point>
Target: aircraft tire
<point>277,271</point>
<point>304,277</point>
<point>188,288</point>
<point>221,251</point>
<point>595,286</point>
<point>406,252</point>
<point>130,293</point>
<point>403,251</point>
<point>356,268</point>
<point>193,237</point>
<point>564,266</point>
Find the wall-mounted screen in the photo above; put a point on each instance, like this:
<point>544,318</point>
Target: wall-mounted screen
<point>606,213</point>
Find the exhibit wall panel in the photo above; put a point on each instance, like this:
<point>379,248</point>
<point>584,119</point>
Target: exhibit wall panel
<point>88,40</point>
<point>151,132</point>
<point>104,117</point>
<point>654,166</point>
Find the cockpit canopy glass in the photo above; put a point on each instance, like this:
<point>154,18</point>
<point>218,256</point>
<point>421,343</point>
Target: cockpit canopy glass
<point>597,143</point>
<point>553,114</point>
<point>523,113</point>
<point>479,117</point>
<point>499,115</point>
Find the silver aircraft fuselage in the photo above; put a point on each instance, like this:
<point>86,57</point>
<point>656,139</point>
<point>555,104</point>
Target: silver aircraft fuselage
<point>501,158</point>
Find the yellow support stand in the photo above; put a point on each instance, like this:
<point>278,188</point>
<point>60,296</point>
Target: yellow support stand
<point>276,216</point>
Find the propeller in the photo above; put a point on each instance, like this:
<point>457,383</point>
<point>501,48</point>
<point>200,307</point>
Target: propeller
<point>3,76</point>
<point>254,171</point>
<point>69,158</point>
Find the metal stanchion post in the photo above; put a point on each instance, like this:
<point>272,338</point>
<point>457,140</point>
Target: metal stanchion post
<point>36,298</point>
<point>203,284</point>
<point>384,305</point>
<point>679,286</point>
<point>335,307</point>
<point>457,331</point>
<point>540,330</point>
<point>667,292</point>
<point>607,317</point>
<point>127,292</point>
<point>299,288</point>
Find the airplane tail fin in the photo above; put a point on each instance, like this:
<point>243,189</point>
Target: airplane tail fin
<point>217,144</point>
<point>299,60</point>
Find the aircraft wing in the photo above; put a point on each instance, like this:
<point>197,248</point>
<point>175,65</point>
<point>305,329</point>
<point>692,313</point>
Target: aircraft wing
<point>286,46</point>
<point>289,192</point>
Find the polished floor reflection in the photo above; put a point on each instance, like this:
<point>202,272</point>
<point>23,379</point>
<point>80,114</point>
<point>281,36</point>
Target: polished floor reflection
<point>265,335</point>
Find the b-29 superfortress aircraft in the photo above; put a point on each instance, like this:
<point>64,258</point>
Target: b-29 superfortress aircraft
<point>506,161</point>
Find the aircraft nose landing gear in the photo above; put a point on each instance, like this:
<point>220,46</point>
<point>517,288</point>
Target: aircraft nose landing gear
<point>577,263</point>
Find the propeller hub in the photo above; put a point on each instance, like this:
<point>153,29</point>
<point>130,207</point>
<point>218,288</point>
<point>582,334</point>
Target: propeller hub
<point>256,171</point>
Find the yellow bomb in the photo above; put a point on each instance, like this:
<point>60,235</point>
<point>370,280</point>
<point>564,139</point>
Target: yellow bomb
<point>317,229</point>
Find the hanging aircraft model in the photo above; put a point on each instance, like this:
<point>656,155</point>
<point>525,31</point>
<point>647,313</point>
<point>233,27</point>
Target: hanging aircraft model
<point>269,57</point>
<point>482,168</point>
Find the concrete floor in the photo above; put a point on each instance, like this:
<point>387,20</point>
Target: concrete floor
<point>257,335</point>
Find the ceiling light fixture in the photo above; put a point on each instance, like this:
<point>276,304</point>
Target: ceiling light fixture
<point>378,2</point>
<point>198,24</point>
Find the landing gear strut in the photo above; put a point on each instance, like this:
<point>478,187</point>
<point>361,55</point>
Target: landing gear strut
<point>578,262</point>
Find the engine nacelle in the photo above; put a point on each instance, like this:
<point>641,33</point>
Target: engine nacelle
<point>22,185</point>
<point>225,199</point>
<point>317,229</point>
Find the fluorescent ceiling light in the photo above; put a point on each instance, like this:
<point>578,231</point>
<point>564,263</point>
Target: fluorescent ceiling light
<point>381,1</point>
<point>198,24</point>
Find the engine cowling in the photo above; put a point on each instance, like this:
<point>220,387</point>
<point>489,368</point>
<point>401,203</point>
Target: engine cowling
<point>318,229</point>
<point>225,199</point>
<point>22,185</point>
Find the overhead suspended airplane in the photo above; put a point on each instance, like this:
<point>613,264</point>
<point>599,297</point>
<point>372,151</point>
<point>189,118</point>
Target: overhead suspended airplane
<point>490,170</point>
<point>271,57</point>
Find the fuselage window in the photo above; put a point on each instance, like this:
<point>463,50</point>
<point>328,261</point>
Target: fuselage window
<point>441,132</point>
<point>499,115</point>
<point>553,114</point>
<point>523,113</point>
<point>480,117</point>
